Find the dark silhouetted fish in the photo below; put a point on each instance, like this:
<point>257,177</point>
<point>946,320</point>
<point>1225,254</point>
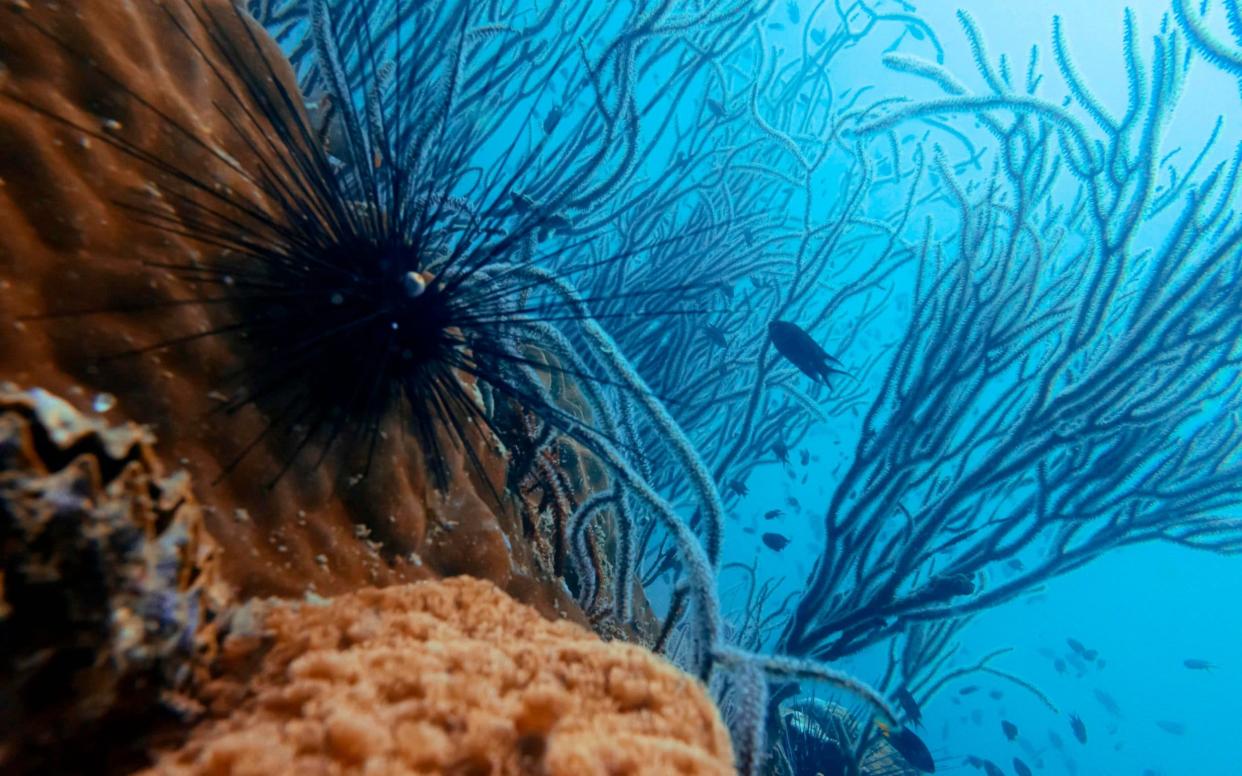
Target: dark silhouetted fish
<point>717,108</point>
<point>992,769</point>
<point>1021,768</point>
<point>1015,564</point>
<point>1009,729</point>
<point>948,586</point>
<point>804,456</point>
<point>775,541</point>
<point>1195,664</point>
<point>909,705</point>
<point>781,451</point>
<point>739,487</point>
<point>551,120</point>
<point>967,690</point>
<point>1108,702</point>
<point>1076,645</point>
<point>521,202</point>
<point>996,695</point>
<point>1171,727</point>
<point>909,746</point>
<point>793,503</point>
<point>791,8</point>
<point>1059,664</point>
<point>803,352</point>
<point>1080,730</point>
<point>772,514</point>
<point>715,336</point>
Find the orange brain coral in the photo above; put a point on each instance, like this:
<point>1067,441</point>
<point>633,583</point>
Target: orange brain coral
<point>452,677</point>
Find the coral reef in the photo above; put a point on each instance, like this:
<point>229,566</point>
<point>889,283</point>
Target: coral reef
<point>107,584</point>
<point>446,677</point>
<point>100,120</point>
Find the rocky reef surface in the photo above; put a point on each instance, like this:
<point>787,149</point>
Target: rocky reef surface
<point>446,677</point>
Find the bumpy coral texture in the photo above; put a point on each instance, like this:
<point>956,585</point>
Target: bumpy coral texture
<point>101,69</point>
<point>449,677</point>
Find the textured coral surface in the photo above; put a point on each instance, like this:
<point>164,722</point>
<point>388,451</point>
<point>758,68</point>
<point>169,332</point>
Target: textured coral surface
<point>106,587</point>
<point>447,677</point>
<point>87,91</point>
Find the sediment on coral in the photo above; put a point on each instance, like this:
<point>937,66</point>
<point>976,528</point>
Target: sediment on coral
<point>446,677</point>
<point>108,588</point>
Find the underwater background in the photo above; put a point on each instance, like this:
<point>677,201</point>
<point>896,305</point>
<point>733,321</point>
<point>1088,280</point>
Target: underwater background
<point>877,364</point>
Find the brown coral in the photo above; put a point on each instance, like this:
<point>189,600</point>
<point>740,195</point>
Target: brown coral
<point>89,89</point>
<point>449,677</point>
<point>107,584</point>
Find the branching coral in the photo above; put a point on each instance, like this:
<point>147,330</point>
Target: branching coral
<point>1061,388</point>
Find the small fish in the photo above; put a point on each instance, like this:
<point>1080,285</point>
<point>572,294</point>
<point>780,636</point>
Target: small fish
<point>715,336</point>
<point>1195,664</point>
<point>1076,645</point>
<point>775,541</point>
<point>521,202</point>
<point>1080,730</point>
<point>716,108</point>
<point>1171,727</point>
<point>992,769</point>
<point>793,503</point>
<point>1108,702</point>
<point>967,690</point>
<point>818,36</point>
<point>781,450</point>
<point>996,695</point>
<point>551,120</point>
<point>1016,564</point>
<point>739,487</point>
<point>909,705</point>
<point>944,588</point>
<point>915,32</point>
<point>772,514</point>
<point>1009,729</point>
<point>791,8</point>
<point>910,747</point>
<point>803,352</point>
<point>1056,741</point>
<point>1021,768</point>
<point>776,26</point>
<point>749,530</point>
<point>1059,665</point>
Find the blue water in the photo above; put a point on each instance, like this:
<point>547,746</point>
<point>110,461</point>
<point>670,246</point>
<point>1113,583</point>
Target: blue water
<point>1145,609</point>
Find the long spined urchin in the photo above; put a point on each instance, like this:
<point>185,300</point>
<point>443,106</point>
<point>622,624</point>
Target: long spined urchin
<point>339,261</point>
